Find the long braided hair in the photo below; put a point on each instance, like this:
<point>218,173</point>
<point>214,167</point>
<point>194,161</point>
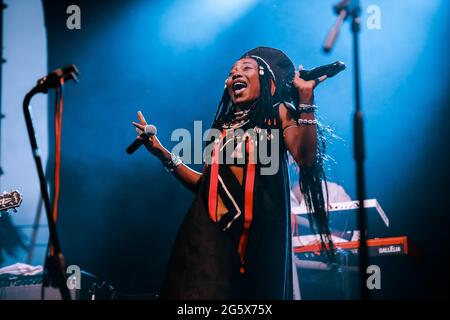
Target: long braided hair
<point>310,177</point>
<point>312,181</point>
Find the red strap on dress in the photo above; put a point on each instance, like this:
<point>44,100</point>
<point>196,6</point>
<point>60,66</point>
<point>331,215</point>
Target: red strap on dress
<point>213,182</point>
<point>248,205</point>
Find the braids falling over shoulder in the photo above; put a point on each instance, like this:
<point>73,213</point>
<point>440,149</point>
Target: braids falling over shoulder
<point>312,181</point>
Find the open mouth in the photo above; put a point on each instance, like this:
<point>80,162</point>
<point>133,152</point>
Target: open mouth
<point>239,87</point>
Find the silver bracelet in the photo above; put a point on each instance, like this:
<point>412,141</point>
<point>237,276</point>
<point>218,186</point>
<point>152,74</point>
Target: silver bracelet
<point>171,164</point>
<point>308,122</point>
<point>307,108</point>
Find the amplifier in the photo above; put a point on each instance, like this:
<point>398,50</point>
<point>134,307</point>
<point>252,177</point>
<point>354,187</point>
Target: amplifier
<point>20,287</point>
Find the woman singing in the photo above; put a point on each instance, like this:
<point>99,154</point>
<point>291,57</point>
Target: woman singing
<point>235,241</point>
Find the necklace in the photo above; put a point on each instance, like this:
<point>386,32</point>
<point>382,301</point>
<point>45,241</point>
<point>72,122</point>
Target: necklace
<point>240,118</point>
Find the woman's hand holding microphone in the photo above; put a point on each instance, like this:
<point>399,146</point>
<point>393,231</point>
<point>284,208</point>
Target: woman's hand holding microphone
<point>147,136</point>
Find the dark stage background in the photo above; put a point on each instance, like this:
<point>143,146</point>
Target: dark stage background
<point>119,214</point>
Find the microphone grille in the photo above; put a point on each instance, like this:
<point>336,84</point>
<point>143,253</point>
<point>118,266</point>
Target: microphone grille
<point>150,130</point>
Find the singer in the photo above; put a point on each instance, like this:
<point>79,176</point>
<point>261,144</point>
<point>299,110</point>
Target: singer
<point>235,241</point>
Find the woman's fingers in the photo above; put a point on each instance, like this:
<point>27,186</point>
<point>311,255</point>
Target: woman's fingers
<point>320,80</point>
<point>139,126</point>
<point>141,118</point>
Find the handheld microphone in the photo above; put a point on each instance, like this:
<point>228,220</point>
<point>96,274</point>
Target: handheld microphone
<point>149,130</point>
<point>330,70</point>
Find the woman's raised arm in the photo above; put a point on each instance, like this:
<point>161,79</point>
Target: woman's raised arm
<point>300,135</point>
<point>188,177</point>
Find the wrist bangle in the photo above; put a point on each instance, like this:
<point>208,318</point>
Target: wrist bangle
<point>308,122</point>
<point>307,108</point>
<point>171,164</point>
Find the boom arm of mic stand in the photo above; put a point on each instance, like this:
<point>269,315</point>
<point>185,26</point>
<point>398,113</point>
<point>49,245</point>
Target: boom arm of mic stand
<point>55,263</point>
<point>334,31</point>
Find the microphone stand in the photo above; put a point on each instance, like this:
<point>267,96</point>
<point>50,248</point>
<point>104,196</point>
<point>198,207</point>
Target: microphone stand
<point>54,263</point>
<point>3,6</point>
<point>351,9</point>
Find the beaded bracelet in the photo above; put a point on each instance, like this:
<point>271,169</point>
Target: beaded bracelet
<point>307,108</point>
<point>171,164</point>
<point>308,122</point>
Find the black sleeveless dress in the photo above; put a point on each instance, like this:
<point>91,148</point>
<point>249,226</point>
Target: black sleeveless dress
<point>235,241</point>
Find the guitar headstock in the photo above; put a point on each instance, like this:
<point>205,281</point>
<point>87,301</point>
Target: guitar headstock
<point>10,200</point>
